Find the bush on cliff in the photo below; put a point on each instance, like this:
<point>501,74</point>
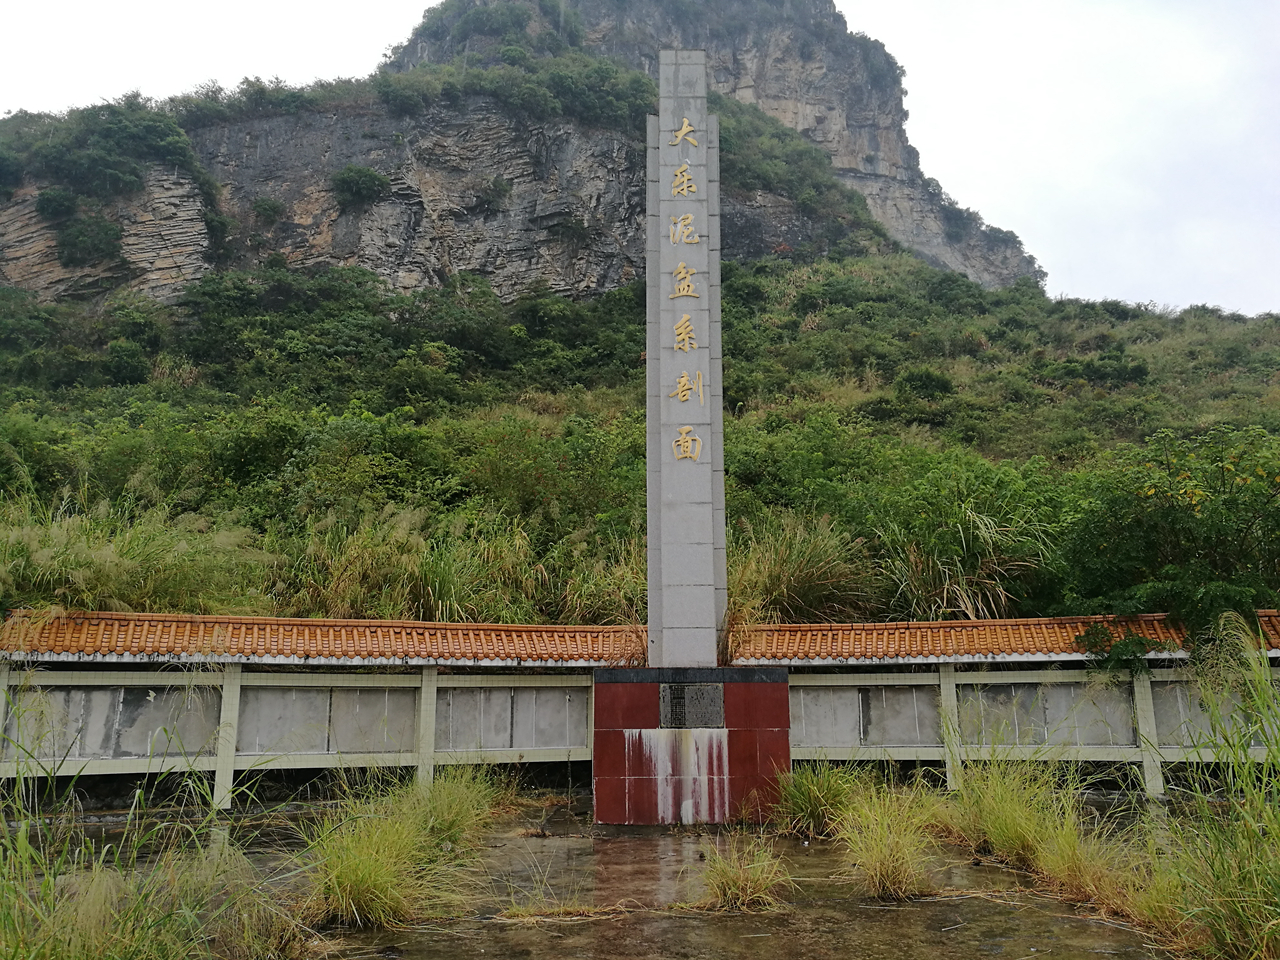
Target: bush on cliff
<point>87,240</point>
<point>356,186</point>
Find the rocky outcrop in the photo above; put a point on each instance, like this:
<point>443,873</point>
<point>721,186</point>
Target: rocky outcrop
<point>797,61</point>
<point>477,189</point>
<point>163,246</point>
<point>472,190</point>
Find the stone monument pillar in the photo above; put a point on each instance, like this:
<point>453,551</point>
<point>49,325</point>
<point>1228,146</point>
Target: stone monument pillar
<point>687,582</point>
<point>685,740</point>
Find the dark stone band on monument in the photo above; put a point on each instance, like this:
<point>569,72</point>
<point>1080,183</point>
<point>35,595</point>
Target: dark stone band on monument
<point>691,675</point>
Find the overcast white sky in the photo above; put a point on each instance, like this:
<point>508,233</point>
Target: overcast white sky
<point>1134,145</point>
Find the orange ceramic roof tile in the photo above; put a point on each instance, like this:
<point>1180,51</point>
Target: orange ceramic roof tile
<point>128,636</point>
<point>955,640</point>
<point>134,637</point>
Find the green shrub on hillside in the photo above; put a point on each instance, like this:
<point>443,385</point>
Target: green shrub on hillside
<point>89,239</point>
<point>127,363</point>
<point>758,152</point>
<point>10,173</point>
<point>573,84</point>
<point>267,210</point>
<point>454,22</point>
<point>924,382</point>
<point>494,20</point>
<point>100,151</point>
<point>55,203</point>
<point>356,186</point>
<point>210,103</point>
<point>1184,524</point>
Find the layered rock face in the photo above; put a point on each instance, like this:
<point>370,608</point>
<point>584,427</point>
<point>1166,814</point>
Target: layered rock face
<point>797,61</point>
<point>477,189</point>
<point>472,190</point>
<point>163,247</point>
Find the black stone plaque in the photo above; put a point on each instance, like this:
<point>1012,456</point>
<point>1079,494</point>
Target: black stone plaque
<point>686,706</point>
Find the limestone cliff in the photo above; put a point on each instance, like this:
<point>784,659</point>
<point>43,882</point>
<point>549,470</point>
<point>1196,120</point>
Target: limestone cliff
<point>797,61</point>
<point>567,209</point>
<point>162,249</point>
<point>477,187</point>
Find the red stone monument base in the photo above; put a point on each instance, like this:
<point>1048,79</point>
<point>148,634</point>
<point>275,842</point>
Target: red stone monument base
<point>689,745</point>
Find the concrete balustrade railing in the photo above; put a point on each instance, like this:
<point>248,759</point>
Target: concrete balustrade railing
<point>228,719</point>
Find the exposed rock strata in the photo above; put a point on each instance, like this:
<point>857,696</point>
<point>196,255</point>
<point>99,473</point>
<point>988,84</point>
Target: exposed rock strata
<point>572,214</point>
<point>843,92</point>
<point>163,247</point>
<point>797,61</point>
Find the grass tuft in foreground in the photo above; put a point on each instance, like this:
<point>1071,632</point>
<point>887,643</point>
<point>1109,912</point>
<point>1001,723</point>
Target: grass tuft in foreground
<point>389,858</point>
<point>163,891</point>
<point>1219,859</point>
<point>813,797</point>
<point>886,838</point>
<point>746,877</point>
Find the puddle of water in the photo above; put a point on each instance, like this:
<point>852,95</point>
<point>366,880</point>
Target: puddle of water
<point>826,919</point>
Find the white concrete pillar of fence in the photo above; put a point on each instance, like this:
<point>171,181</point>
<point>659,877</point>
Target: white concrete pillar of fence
<point>949,715</point>
<point>224,771</point>
<point>4,706</point>
<point>1148,737</point>
<point>4,699</point>
<point>427,726</point>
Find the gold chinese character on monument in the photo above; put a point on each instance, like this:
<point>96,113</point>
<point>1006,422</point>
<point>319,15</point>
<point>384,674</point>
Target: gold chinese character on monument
<point>687,447</point>
<point>686,387</point>
<point>684,334</point>
<point>683,134</point>
<point>682,229</point>
<point>683,184</point>
<point>684,282</point>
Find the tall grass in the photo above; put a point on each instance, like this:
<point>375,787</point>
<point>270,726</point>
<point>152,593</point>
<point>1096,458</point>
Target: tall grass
<point>966,569</point>
<point>604,586</point>
<point>790,568</point>
<point>1224,851</point>
<point>184,886</point>
<point>747,876</point>
<point>162,891</point>
<point>79,553</point>
<point>408,565</point>
<point>389,858</point>
<point>886,838</point>
<point>1031,815</point>
<point>812,798</point>
<point>1027,814</point>
<point>1004,807</point>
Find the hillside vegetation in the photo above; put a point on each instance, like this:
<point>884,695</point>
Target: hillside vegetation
<point>900,443</point>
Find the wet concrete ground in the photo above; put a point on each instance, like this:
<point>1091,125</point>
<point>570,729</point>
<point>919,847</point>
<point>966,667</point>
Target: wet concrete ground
<point>981,912</point>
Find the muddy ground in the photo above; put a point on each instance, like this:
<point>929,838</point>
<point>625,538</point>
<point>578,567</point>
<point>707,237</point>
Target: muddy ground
<point>552,860</point>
